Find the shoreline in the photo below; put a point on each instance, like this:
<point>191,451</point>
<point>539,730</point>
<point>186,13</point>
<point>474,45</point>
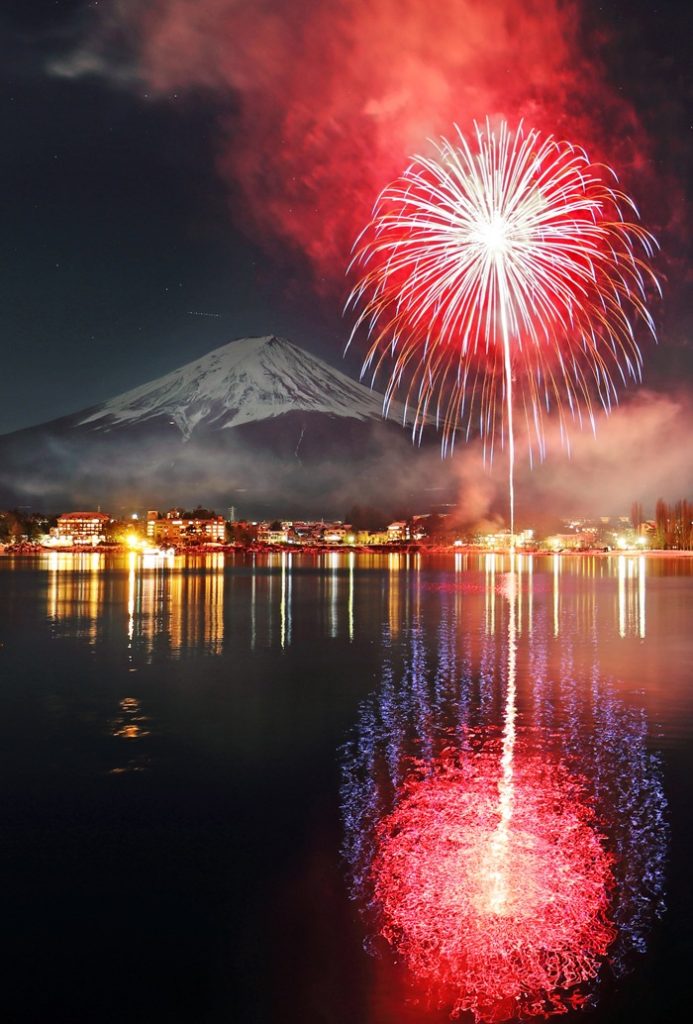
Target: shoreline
<point>37,551</point>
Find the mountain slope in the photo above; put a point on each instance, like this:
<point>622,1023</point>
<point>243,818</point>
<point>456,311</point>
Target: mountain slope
<point>242,382</point>
<point>258,422</point>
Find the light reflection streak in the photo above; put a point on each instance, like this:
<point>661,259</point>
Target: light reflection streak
<point>168,607</point>
<point>394,567</point>
<point>285,604</point>
<point>132,559</point>
<point>517,564</point>
<point>499,866</point>
<point>176,607</point>
<point>75,593</point>
<point>444,703</point>
<point>416,611</point>
<point>269,582</point>
<point>253,606</point>
<point>490,569</point>
<point>622,595</point>
<point>333,593</point>
<point>641,596</point>
<point>600,730</point>
<point>352,561</point>
<point>631,600</point>
<point>556,592</point>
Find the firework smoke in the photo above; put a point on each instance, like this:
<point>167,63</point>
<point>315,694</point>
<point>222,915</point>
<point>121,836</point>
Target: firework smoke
<point>320,106</point>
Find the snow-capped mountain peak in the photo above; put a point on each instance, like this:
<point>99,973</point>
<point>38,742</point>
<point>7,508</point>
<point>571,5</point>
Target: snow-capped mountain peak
<point>241,382</point>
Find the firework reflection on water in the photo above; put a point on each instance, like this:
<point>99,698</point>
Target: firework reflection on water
<point>509,848</point>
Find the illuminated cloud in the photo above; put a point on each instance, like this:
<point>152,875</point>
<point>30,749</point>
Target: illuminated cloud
<point>323,107</point>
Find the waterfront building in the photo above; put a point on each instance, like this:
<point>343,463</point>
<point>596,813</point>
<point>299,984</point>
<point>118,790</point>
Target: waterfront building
<point>80,528</point>
<point>398,532</point>
<point>177,528</point>
<point>267,534</point>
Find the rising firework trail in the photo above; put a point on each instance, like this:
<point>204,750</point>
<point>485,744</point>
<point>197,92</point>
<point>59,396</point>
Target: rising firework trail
<point>500,275</point>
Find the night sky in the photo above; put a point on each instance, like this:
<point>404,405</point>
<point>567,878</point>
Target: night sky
<point>168,159</point>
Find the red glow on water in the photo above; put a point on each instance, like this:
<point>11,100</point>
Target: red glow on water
<point>455,587</point>
<point>495,895</point>
<point>538,585</point>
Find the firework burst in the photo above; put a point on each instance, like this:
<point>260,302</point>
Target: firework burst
<point>501,276</point>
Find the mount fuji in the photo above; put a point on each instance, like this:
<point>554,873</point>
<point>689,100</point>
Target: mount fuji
<point>245,381</point>
<point>258,423</point>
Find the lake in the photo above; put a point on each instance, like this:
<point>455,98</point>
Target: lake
<point>346,788</point>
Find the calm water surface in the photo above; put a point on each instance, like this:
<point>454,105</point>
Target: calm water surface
<point>200,757</point>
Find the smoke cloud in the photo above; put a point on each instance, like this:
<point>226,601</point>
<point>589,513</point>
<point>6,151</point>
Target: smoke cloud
<point>640,453</point>
<point>325,100</point>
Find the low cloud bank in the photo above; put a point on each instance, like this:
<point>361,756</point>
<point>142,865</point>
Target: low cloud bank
<point>640,452</point>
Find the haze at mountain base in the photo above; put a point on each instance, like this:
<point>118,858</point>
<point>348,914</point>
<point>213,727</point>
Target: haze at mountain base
<point>263,425</point>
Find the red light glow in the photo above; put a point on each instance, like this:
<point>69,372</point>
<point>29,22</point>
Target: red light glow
<point>500,912</point>
<point>323,108</point>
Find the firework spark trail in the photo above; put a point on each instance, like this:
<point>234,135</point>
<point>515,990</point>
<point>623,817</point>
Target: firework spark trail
<point>503,268</point>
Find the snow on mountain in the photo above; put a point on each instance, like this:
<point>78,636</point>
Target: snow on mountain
<point>241,382</point>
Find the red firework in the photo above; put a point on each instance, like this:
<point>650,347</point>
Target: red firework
<point>502,272</point>
<point>502,915</point>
